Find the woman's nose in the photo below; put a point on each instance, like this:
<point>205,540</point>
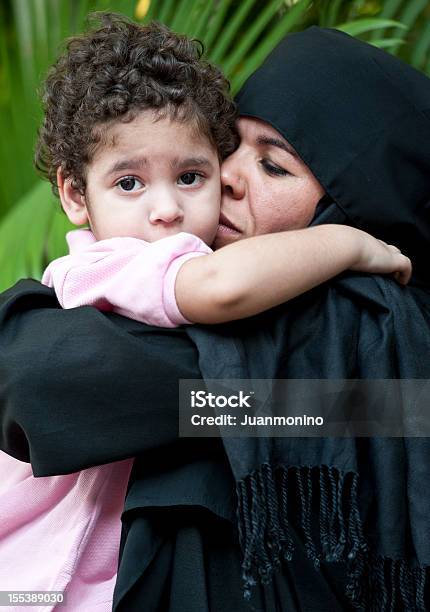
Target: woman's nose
<point>232,179</point>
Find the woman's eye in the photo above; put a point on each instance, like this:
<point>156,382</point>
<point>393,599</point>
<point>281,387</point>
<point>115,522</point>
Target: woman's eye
<point>190,178</point>
<point>129,183</point>
<point>272,169</point>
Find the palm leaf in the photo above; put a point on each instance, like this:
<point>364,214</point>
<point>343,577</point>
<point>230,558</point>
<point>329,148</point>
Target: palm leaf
<point>23,232</point>
<point>217,23</point>
<point>388,11</point>
<point>230,31</point>
<point>249,38</point>
<point>388,43</point>
<point>360,26</point>
<point>410,14</point>
<point>289,22</point>
<point>422,47</point>
<point>166,11</point>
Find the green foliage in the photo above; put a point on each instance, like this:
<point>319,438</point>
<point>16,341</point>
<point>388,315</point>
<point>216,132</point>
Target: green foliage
<point>237,35</point>
<point>32,233</point>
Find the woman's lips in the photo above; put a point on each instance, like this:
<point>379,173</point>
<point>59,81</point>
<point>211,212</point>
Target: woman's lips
<point>224,229</point>
<point>225,226</point>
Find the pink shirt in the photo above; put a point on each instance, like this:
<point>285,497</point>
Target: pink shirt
<point>63,532</point>
<point>130,276</point>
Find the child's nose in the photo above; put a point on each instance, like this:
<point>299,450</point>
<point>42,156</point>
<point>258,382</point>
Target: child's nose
<point>166,211</point>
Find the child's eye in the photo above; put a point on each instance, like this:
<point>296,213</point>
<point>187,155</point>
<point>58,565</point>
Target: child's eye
<point>190,178</point>
<point>129,183</point>
<point>273,169</point>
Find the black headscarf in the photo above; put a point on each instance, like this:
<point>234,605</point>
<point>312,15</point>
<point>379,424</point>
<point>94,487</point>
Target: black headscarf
<point>360,120</point>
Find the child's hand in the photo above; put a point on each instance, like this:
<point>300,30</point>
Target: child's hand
<point>378,257</point>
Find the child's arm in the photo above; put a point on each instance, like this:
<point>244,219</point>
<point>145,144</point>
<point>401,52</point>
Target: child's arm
<point>255,274</point>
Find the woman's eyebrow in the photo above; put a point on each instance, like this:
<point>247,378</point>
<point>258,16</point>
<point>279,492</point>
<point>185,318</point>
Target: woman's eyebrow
<point>276,142</point>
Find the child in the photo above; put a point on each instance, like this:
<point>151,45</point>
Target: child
<point>141,166</point>
<point>135,127</point>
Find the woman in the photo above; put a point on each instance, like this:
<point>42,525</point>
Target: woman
<point>359,120</point>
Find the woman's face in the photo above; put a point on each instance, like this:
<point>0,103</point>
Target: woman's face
<point>266,186</point>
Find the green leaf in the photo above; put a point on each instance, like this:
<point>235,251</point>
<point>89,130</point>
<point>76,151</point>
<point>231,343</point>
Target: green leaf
<point>182,16</point>
<point>387,43</point>
<point>230,32</point>
<point>249,38</point>
<point>335,7</point>
<point>166,11</point>
<point>217,23</point>
<point>411,12</point>
<point>199,26</point>
<point>289,21</point>
<point>55,244</point>
<point>24,29</point>
<point>420,51</point>
<point>390,8</point>
<point>23,235</point>
<point>355,28</point>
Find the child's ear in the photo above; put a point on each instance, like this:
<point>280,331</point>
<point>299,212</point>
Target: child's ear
<point>72,201</point>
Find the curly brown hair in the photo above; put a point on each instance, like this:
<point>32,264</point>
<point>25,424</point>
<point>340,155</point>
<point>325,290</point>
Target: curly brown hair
<point>114,71</point>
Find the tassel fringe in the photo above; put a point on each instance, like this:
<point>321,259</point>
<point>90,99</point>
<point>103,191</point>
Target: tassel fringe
<point>265,513</point>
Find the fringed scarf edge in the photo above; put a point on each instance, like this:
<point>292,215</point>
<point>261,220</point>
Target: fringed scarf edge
<point>375,583</point>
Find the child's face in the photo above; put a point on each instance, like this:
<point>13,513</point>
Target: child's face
<point>153,179</point>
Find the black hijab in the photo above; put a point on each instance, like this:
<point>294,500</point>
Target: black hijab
<point>360,120</point>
